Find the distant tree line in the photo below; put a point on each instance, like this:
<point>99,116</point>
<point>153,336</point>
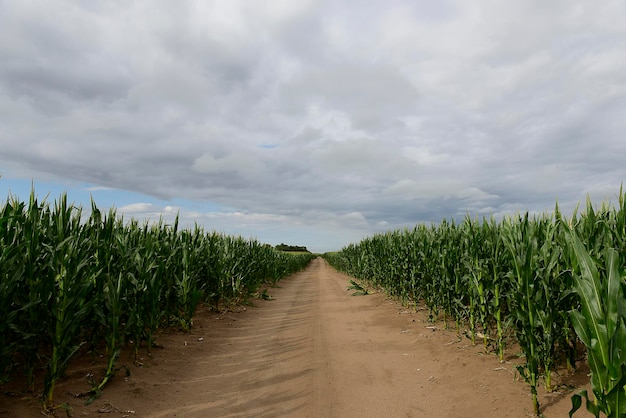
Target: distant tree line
<point>293,248</point>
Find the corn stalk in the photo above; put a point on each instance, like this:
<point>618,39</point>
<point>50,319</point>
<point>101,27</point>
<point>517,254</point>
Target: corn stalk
<point>71,280</point>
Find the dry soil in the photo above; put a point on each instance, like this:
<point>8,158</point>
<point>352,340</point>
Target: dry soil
<point>314,350</point>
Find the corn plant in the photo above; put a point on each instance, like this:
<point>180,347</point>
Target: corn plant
<point>548,269</point>
<point>109,286</point>
<point>11,274</point>
<point>497,266</point>
<point>600,324</point>
<point>70,279</point>
<point>32,319</point>
<point>111,317</point>
<point>447,239</point>
<point>564,297</point>
<point>522,245</point>
<point>144,278</point>
<point>188,292</point>
<point>477,277</point>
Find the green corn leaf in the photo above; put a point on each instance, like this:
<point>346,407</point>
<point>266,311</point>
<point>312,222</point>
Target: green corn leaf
<point>589,289</point>
<point>614,294</point>
<point>589,404</point>
<point>580,326</point>
<point>577,402</point>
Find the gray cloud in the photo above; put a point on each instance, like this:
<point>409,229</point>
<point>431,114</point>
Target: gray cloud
<point>318,120</point>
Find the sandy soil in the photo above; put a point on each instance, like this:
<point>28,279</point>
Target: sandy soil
<point>312,351</point>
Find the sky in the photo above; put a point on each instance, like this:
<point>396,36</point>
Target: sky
<point>313,122</point>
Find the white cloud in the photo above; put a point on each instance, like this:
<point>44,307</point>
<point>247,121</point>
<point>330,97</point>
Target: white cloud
<point>329,120</point>
<point>424,156</point>
<point>138,209</point>
<point>97,188</point>
<point>408,189</point>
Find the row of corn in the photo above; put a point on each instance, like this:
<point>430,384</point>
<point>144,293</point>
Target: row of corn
<point>70,280</point>
<point>549,281</point>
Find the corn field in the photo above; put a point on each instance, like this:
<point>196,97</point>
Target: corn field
<point>551,282</point>
<point>70,281</point>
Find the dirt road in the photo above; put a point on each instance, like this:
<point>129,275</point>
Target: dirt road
<point>312,351</point>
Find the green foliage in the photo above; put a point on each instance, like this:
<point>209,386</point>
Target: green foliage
<point>264,295</point>
<point>515,277</point>
<point>291,248</point>
<point>600,324</point>
<point>360,290</point>
<point>69,281</point>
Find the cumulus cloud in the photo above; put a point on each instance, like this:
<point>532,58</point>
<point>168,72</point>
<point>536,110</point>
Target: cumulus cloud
<point>143,210</point>
<point>317,119</point>
<point>432,189</point>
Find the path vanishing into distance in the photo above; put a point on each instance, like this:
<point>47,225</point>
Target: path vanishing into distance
<point>314,350</point>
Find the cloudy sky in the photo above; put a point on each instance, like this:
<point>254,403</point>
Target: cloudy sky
<point>314,122</point>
